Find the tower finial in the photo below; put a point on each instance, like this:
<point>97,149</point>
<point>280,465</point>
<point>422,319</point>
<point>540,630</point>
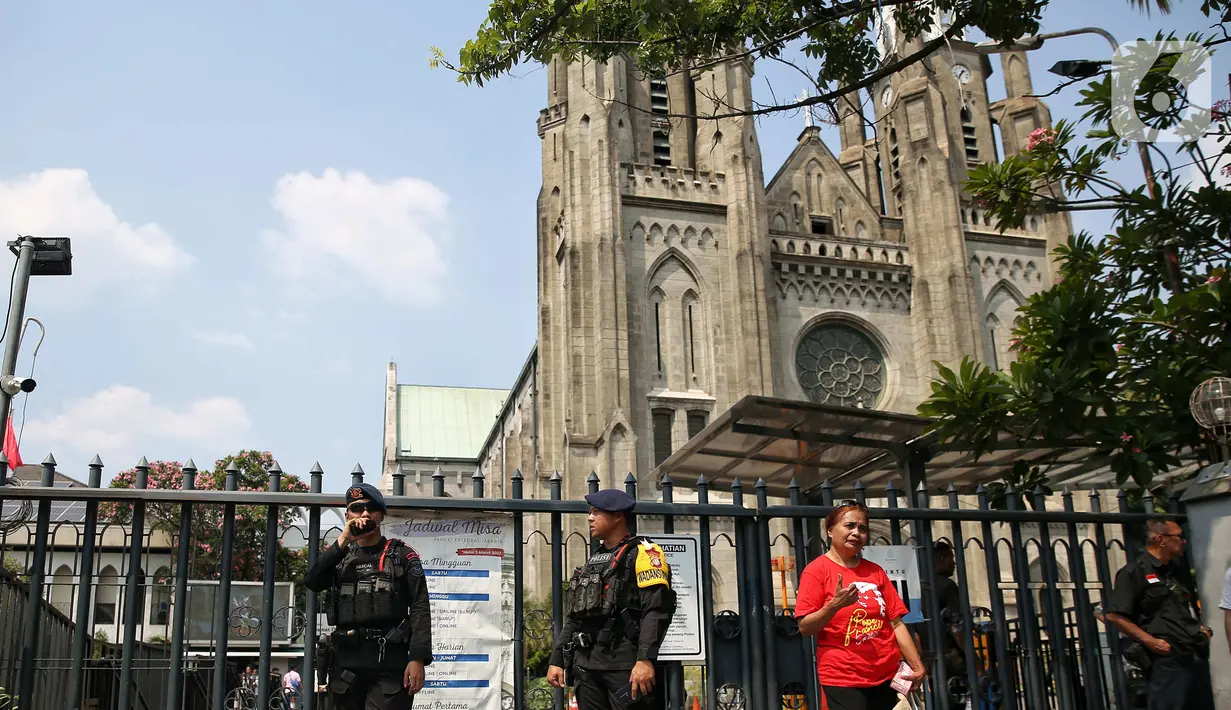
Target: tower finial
<point>809,117</point>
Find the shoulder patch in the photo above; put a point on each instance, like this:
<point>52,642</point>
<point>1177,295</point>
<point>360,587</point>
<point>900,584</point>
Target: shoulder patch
<point>651,566</point>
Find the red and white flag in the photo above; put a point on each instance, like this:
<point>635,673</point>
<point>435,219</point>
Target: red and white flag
<point>10,445</point>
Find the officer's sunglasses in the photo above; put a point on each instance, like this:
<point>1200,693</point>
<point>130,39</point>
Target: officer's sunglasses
<point>363,507</point>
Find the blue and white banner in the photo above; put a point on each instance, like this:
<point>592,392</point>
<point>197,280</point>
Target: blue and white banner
<point>468,562</point>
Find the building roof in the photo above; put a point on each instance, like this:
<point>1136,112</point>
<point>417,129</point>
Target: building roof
<point>61,511</point>
<point>445,422</point>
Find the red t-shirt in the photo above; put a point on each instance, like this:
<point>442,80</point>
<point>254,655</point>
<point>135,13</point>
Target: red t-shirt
<point>857,649</point>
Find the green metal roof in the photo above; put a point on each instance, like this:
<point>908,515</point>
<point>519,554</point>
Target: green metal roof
<point>446,422</point>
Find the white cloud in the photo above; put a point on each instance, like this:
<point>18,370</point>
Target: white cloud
<point>224,339</point>
<point>62,203</point>
<point>122,423</point>
<point>387,235</point>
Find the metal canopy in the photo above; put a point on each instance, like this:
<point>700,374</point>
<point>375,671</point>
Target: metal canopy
<point>778,440</point>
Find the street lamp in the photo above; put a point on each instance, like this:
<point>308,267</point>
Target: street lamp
<point>1085,69</point>
<point>1210,404</point>
<point>36,256</point>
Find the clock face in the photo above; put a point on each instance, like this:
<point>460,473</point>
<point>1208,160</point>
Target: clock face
<point>961,73</point>
<point>887,96</point>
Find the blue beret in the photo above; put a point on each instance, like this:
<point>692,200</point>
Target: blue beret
<point>612,501</point>
<point>359,491</point>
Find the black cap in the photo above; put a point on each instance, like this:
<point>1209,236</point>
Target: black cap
<point>359,491</point>
<point>612,500</point>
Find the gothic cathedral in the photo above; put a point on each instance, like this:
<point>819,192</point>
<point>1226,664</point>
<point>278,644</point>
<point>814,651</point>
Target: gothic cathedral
<point>674,279</point>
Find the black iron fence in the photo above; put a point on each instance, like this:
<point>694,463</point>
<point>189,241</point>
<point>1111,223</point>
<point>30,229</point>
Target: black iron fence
<point>1026,628</point>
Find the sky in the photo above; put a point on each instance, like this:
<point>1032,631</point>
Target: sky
<point>270,201</point>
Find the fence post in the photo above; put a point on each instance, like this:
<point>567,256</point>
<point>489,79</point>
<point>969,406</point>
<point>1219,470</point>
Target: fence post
<point>222,625</point>
<point>1000,633</point>
<point>963,582</point>
<point>1053,613</point>
<point>630,488</point>
<point>399,481</point>
<point>476,483</point>
<point>1112,636</point>
<point>267,587</point>
<point>707,595</point>
<point>438,483</point>
<point>1087,635</point>
<point>519,614</point>
<point>801,561</point>
<point>308,679</point>
<point>137,536</point>
<point>753,665</point>
<point>762,574</point>
<point>29,647</point>
<point>1036,695</point>
<point>675,671</point>
<point>557,580</point>
<point>175,682</point>
<point>356,475</point>
<point>85,582</point>
<point>940,688</point>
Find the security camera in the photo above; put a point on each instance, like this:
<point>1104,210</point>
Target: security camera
<point>11,384</point>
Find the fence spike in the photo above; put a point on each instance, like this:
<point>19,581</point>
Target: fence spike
<point>316,468</point>
<point>357,470</point>
<point>1039,490</point>
<point>630,478</point>
<point>143,463</point>
<point>667,480</point>
<point>190,466</point>
<point>761,484</point>
<point>555,475</point>
<point>275,468</point>
<point>890,486</point>
<point>702,481</point>
<point>980,490</point>
<point>478,473</point>
<point>517,475</point>
<point>1068,492</point>
<point>860,490</point>
<point>1094,492</point>
<point>232,467</point>
<point>794,485</point>
<point>952,487</point>
<point>592,478</point>
<point>737,485</point>
<point>921,488</point>
<point>49,461</point>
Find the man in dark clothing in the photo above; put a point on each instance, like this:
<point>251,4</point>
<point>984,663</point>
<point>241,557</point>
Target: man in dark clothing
<point>618,607</point>
<point>378,604</point>
<point>1154,602</point>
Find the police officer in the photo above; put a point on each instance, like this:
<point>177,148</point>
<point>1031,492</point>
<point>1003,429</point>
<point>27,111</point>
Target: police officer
<point>378,604</point>
<point>1154,603</point>
<point>618,607</point>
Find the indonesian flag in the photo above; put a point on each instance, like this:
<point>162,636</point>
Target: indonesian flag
<point>10,445</point>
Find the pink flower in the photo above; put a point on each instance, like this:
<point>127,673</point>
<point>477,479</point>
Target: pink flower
<point>1136,450</point>
<point>1040,136</point>
<point>1126,437</point>
<point>1214,278</point>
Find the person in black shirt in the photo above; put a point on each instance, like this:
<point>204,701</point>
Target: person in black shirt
<point>618,607</point>
<point>1154,602</point>
<point>378,604</point>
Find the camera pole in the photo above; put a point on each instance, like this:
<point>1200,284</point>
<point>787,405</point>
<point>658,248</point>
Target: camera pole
<point>24,249</point>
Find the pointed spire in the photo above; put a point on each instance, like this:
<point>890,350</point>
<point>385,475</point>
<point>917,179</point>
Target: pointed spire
<point>592,479</point>
<point>316,468</point>
<point>478,473</point>
<point>666,482</point>
<point>140,464</point>
<point>702,481</point>
<point>51,460</point>
<point>357,470</point>
<point>275,469</point>
<point>890,486</point>
<point>517,475</point>
<point>793,485</point>
<point>190,466</point>
<point>555,476</point>
<point>630,479</point>
<point>232,467</point>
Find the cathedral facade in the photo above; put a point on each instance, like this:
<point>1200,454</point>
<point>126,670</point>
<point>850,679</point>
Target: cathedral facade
<point>674,279</point>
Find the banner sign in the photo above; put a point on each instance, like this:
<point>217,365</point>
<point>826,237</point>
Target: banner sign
<point>901,563</point>
<point>468,563</point>
<point>684,641</point>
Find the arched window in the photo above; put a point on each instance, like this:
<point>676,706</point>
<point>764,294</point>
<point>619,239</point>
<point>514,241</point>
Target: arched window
<point>106,596</point>
<point>839,214</point>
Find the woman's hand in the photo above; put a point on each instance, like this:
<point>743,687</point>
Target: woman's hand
<point>917,674</point>
<point>843,596</point>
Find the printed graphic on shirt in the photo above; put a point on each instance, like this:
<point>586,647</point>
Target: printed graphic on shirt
<point>1152,578</point>
<point>651,565</point>
<point>868,618</point>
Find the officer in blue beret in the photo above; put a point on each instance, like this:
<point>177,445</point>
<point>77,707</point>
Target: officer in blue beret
<point>618,607</point>
<point>378,605</point>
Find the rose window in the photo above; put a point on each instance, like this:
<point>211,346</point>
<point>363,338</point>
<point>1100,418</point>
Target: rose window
<point>837,364</point>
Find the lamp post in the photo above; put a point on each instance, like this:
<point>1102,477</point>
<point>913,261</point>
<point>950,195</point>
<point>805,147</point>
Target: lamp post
<point>1085,69</point>
<point>36,256</point>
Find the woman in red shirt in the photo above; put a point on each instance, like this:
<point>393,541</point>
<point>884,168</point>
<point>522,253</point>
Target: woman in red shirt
<point>852,608</point>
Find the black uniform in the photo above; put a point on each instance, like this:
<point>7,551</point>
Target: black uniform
<point>618,606</point>
<point>1162,600</point>
<point>378,604</point>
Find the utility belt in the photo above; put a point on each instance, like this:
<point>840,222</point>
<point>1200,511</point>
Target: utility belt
<point>623,625</point>
<point>397,636</point>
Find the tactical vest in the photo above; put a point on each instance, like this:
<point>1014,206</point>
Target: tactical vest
<point>369,599</point>
<point>604,585</point>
